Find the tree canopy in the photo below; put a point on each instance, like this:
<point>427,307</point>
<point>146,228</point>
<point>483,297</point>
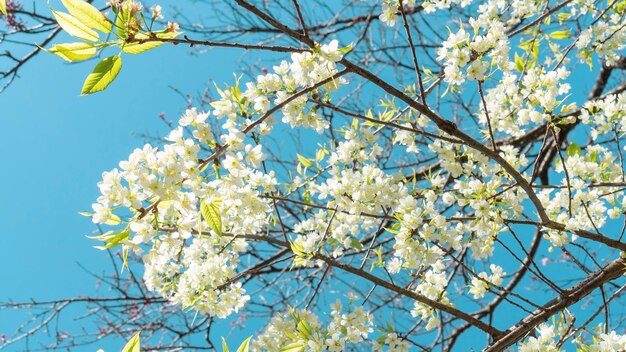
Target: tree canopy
<point>386,175</point>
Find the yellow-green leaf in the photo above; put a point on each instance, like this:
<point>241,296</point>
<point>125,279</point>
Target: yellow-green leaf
<point>547,20</point>
<point>294,347</point>
<point>133,344</point>
<point>112,239</point>
<point>73,51</point>
<point>245,345</point>
<point>563,16</point>
<point>356,244</point>
<point>74,27</point>
<point>573,149</point>
<point>89,15</point>
<point>519,63</point>
<point>211,214</point>
<point>164,205</point>
<point>113,220</point>
<point>224,346</point>
<point>123,17</point>
<point>3,7</point>
<point>136,48</point>
<point>559,34</point>
<point>304,161</point>
<point>102,75</point>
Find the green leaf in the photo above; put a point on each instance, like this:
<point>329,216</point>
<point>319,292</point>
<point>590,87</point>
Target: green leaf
<point>294,347</point>
<point>304,330</point>
<point>573,149</point>
<point>245,345</point>
<point>74,27</point>
<point>356,244</point>
<point>547,20</point>
<point>133,344</point>
<point>102,75</point>
<point>563,16</point>
<point>560,34</point>
<point>135,48</point>
<point>120,24</point>
<point>224,346</point>
<point>519,63</point>
<point>113,220</point>
<point>112,239</point>
<point>89,15</point>
<point>164,205</point>
<point>304,161</point>
<point>3,7</point>
<point>73,51</point>
<point>211,214</point>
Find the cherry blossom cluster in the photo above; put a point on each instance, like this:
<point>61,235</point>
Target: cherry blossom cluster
<point>191,206</point>
<point>474,58</point>
<point>606,37</point>
<point>389,15</point>
<point>188,209</point>
<point>517,103</point>
<point>576,204</point>
<point>605,116</point>
<point>302,329</point>
<point>481,282</point>
<point>551,337</point>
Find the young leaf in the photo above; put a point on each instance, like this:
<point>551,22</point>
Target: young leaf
<point>74,27</point>
<point>573,149</point>
<point>102,75</point>
<point>245,345</point>
<point>89,15</point>
<point>563,16</point>
<point>356,244</point>
<point>113,220</point>
<point>135,48</point>
<point>224,346</point>
<point>304,161</point>
<point>133,344</point>
<point>294,347</point>
<point>559,34</point>
<point>112,239</point>
<point>73,51</point>
<point>211,214</point>
<point>519,63</point>
<point>3,7</point>
<point>120,23</point>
